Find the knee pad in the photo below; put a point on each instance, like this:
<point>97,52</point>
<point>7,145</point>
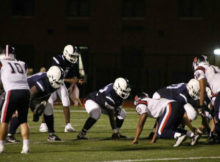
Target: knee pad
<point>49,109</point>
<point>93,109</point>
<point>122,114</point>
<point>95,114</point>
<point>52,97</point>
<point>64,96</point>
<point>190,111</point>
<point>65,101</point>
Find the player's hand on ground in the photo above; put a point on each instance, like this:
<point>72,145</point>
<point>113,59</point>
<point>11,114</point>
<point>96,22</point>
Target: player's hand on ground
<point>153,141</point>
<point>134,142</point>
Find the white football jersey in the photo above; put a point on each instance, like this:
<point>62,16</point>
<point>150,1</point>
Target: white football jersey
<point>153,107</point>
<point>211,74</point>
<point>13,75</point>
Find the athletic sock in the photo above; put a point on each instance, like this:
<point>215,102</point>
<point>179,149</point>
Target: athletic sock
<point>119,122</point>
<point>1,142</point>
<point>88,124</point>
<point>13,126</point>
<point>49,120</point>
<point>26,142</point>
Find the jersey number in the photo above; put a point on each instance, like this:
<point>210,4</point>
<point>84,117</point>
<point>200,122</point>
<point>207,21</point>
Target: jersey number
<point>16,68</point>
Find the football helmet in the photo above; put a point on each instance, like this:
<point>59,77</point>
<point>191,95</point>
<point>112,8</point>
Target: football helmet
<point>7,53</point>
<point>200,60</point>
<point>193,89</point>
<point>71,53</point>
<point>140,96</point>
<point>122,87</point>
<point>55,75</point>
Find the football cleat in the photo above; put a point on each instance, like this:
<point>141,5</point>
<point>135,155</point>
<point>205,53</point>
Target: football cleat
<point>180,140</point>
<point>11,139</point>
<point>25,150</point>
<point>43,127</point>
<point>69,128</point>
<point>122,136</point>
<point>1,149</point>
<point>194,139</point>
<point>115,136</point>
<point>211,137</point>
<point>82,136</point>
<point>53,138</point>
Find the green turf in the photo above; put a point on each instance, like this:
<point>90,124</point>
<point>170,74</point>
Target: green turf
<point>99,147</point>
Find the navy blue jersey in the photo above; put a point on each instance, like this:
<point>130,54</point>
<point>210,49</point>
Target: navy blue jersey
<point>106,97</point>
<point>70,69</point>
<point>176,92</point>
<point>41,81</point>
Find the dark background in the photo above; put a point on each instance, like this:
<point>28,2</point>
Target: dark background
<point>150,42</point>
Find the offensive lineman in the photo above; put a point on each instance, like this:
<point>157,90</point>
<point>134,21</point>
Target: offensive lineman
<point>14,80</point>
<point>208,75</point>
<point>67,61</point>
<point>185,94</point>
<point>41,86</point>
<point>107,101</point>
<point>170,115</point>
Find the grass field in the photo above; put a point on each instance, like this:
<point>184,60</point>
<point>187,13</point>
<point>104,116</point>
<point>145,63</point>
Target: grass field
<point>101,148</point>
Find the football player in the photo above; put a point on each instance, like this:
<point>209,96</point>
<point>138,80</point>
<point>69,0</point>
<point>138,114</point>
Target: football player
<point>170,115</point>
<point>41,86</point>
<point>14,81</point>
<point>68,62</point>
<point>209,75</point>
<point>107,101</point>
<point>186,94</point>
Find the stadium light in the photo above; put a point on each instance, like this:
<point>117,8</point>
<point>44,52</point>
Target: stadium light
<point>216,51</point>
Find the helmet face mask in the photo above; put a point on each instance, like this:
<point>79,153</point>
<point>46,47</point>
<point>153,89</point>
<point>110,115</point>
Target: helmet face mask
<point>140,96</point>
<point>71,53</point>
<point>122,88</point>
<point>55,76</point>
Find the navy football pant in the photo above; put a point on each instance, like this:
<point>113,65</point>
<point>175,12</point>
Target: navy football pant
<point>170,120</point>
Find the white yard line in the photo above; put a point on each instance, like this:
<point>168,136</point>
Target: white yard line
<point>166,159</point>
<point>83,111</point>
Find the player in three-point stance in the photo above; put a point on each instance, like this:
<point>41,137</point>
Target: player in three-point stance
<point>170,115</point>
<point>186,94</point>
<point>208,75</point>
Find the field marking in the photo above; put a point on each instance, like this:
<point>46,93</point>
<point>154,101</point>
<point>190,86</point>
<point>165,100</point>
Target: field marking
<point>166,159</point>
<point>82,111</point>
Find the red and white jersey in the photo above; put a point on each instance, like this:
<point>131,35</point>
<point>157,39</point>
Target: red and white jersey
<point>212,75</point>
<point>153,107</point>
<point>13,75</point>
